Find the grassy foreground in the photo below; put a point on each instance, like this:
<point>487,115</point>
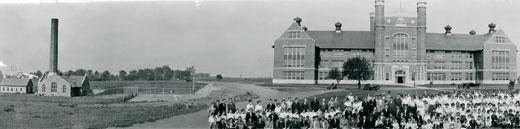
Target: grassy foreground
<point>28,111</point>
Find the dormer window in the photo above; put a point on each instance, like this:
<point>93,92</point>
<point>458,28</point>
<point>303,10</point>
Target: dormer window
<point>500,39</point>
<point>295,34</point>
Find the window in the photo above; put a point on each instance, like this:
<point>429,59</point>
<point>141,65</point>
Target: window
<point>294,56</point>
<point>54,87</point>
<point>436,76</point>
<point>500,76</point>
<point>387,76</point>
<point>439,65</point>
<point>456,65</point>
<point>400,46</point>
<point>500,39</point>
<point>500,59</point>
<point>294,75</point>
<point>64,90</point>
<point>43,87</point>
<point>456,76</point>
<point>295,34</point>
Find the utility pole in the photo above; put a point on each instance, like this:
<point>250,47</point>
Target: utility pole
<point>193,80</point>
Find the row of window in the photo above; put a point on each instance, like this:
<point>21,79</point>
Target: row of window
<point>345,50</point>
<point>294,75</point>
<point>295,34</point>
<point>453,65</point>
<point>449,54</point>
<point>500,76</point>
<point>12,89</point>
<point>454,76</point>
<point>500,39</point>
<point>294,56</point>
<point>54,87</point>
<point>500,59</point>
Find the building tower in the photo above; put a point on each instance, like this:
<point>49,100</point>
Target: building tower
<point>421,39</point>
<point>54,46</point>
<point>378,37</point>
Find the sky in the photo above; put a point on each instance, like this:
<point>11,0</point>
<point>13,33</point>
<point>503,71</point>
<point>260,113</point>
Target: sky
<point>230,37</point>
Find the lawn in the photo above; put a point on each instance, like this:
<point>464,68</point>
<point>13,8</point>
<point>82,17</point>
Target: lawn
<point>110,108</point>
<point>341,94</point>
<point>176,87</point>
<point>29,111</point>
<point>312,87</point>
<point>482,86</point>
<point>240,80</point>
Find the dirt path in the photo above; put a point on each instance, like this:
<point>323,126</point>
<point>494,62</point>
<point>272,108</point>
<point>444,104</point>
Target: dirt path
<point>199,119</point>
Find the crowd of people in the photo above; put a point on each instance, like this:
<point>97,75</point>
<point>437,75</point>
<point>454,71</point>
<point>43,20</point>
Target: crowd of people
<point>444,110</point>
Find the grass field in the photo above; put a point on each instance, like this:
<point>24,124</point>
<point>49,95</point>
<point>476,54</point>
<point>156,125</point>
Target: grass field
<point>240,80</point>
<point>311,87</point>
<point>341,94</point>
<point>110,108</point>
<point>117,87</point>
<point>28,111</point>
<point>482,86</point>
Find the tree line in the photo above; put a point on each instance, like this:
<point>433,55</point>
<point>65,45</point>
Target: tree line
<point>146,74</point>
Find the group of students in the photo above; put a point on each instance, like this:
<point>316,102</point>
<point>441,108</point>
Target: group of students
<point>443,110</point>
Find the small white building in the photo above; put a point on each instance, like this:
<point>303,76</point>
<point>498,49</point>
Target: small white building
<point>16,85</point>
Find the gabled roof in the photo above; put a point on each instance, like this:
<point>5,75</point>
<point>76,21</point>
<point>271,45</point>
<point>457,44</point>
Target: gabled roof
<point>463,42</point>
<point>345,39</point>
<point>362,40</point>
<point>76,81</point>
<point>15,82</point>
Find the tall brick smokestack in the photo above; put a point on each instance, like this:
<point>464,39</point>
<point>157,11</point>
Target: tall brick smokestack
<point>54,46</point>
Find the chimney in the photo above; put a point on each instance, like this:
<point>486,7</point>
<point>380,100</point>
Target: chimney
<point>448,30</point>
<point>338,27</point>
<point>305,28</point>
<point>298,20</point>
<point>54,46</point>
<point>492,27</point>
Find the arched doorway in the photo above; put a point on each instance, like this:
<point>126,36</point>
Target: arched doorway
<point>400,76</point>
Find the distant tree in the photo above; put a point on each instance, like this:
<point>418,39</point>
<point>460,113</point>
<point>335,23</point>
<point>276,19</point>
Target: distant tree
<point>358,68</point>
<point>39,73</point>
<point>335,74</point>
<point>133,75</point>
<point>168,72</point>
<point>80,72</point>
<point>105,76</point>
<point>219,77</point>
<point>122,75</point>
<point>69,73</point>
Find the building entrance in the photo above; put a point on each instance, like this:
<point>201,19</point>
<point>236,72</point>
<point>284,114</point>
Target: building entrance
<point>400,76</point>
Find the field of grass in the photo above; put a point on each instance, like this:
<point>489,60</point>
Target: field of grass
<point>312,87</point>
<point>240,80</point>
<point>482,86</point>
<point>29,111</point>
<point>117,87</point>
<point>341,94</point>
<point>110,108</point>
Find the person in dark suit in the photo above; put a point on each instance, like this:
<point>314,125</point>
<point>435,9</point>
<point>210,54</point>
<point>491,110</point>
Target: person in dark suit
<point>251,115</point>
<point>315,104</point>
<point>273,116</point>
<point>295,106</point>
<point>231,107</point>
<point>222,107</point>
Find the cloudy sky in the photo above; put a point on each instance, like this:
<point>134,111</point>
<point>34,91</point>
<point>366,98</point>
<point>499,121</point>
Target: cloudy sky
<point>229,37</point>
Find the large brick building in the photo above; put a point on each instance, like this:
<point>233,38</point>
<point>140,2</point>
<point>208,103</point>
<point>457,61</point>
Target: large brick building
<point>401,51</point>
